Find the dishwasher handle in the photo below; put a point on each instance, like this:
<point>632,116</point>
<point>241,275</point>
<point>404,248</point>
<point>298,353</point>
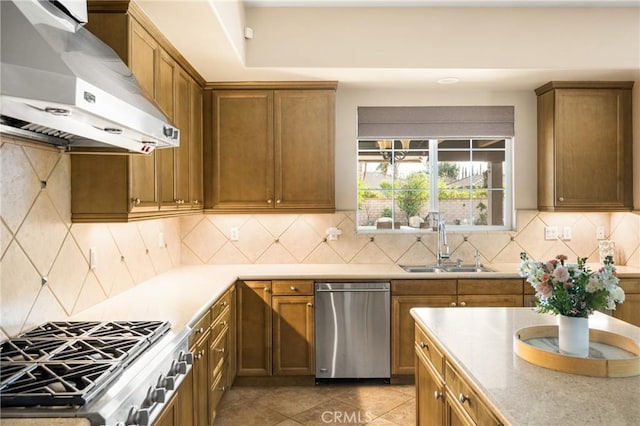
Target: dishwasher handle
<point>342,287</point>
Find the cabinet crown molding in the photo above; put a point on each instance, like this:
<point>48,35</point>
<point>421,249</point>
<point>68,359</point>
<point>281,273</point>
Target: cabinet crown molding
<point>583,85</point>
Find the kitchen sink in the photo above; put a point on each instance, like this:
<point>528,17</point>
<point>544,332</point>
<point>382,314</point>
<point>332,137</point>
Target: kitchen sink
<point>445,268</point>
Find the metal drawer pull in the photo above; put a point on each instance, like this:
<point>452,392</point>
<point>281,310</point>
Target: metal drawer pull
<point>200,330</point>
<point>293,288</point>
<point>423,345</point>
<point>221,350</point>
<point>222,388</point>
<point>437,394</point>
<point>223,323</point>
<point>452,304</point>
<point>463,304</point>
<point>463,398</point>
<point>310,305</point>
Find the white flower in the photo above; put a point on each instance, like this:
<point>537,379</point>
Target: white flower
<point>561,274</point>
<point>594,284</point>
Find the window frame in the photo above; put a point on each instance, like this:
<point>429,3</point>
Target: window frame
<point>508,185</point>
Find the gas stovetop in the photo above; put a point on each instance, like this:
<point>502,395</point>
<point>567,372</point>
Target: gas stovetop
<point>68,363</point>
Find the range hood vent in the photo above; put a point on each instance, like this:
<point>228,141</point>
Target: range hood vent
<point>63,86</point>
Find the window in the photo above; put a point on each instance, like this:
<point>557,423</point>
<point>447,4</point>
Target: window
<point>401,180</point>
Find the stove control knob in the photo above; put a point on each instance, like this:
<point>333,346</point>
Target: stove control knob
<point>156,396</point>
<point>178,367</point>
<point>138,417</point>
<point>186,357</point>
<point>169,382</point>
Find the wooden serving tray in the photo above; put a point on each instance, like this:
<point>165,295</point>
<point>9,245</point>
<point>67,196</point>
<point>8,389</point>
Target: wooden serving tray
<point>610,354</point>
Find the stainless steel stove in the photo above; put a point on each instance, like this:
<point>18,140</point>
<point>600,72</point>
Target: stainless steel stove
<point>112,373</point>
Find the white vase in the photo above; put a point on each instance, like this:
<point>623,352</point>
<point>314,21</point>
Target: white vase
<point>573,336</point>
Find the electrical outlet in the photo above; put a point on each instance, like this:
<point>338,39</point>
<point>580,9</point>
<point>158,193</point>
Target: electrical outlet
<point>234,234</point>
<point>550,232</point>
<point>93,258</point>
<point>566,233</point>
<point>600,233</point>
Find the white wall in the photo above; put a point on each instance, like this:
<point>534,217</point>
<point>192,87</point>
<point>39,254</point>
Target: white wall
<point>525,145</point>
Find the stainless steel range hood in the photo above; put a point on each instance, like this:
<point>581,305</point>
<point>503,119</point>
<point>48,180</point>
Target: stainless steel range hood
<point>62,85</point>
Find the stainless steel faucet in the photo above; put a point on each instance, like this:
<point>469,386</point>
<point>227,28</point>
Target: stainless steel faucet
<point>443,246</point>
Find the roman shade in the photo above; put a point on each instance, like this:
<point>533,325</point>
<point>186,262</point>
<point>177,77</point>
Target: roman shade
<point>427,122</point>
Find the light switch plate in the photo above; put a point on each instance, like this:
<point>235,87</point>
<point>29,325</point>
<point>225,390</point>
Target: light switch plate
<point>550,232</point>
<point>93,257</point>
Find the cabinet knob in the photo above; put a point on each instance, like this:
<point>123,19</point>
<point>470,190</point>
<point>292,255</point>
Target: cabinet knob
<point>293,288</point>
<point>463,304</point>
<point>136,201</point>
<point>437,395</point>
<point>423,345</point>
<point>561,199</point>
<point>222,388</point>
<point>200,330</point>
<point>223,323</point>
<point>267,289</point>
<point>278,201</point>
<point>463,398</point>
<point>221,350</point>
<point>269,201</point>
<point>196,202</point>
<point>452,304</point>
<point>310,305</point>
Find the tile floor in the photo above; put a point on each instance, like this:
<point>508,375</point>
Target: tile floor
<point>337,404</point>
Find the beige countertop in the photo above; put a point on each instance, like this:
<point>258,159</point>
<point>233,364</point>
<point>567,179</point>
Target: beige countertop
<point>182,294</point>
<point>480,343</point>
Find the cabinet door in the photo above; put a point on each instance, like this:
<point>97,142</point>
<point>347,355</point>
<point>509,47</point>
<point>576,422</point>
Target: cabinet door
<point>304,145</point>
<point>201,381</point>
<point>293,331</point>
<point>143,57</point>
<point>403,327</point>
<point>185,402</point>
<point>429,395</point>
<point>182,155</point>
<point>629,311</point>
<point>166,158</point>
<point>233,327</point>
<point>195,151</point>
<point>242,157</point>
<point>254,328</point>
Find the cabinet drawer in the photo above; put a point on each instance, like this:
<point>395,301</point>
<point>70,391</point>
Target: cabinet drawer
<point>218,353</point>
<point>419,287</point>
<point>201,328</point>
<point>465,397</point>
<point>426,346</point>
<point>490,286</point>
<point>217,390</point>
<point>221,305</point>
<point>220,325</point>
<point>292,288</point>
<point>491,300</point>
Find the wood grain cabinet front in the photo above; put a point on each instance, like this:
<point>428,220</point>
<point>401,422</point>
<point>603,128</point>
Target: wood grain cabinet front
<point>443,395</point>
<point>275,328</point>
<point>269,147</point>
<point>168,182</point>
<point>585,127</point>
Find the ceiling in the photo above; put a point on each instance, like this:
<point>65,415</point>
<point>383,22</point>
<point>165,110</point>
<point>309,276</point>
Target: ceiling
<point>479,46</point>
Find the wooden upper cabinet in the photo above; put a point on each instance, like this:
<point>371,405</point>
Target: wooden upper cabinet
<point>304,143</point>
<point>270,148</point>
<point>585,129</point>
<point>137,186</point>
<point>242,155</point>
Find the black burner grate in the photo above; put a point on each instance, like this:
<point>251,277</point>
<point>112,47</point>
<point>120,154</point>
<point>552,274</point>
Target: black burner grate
<point>67,363</point>
<point>55,383</point>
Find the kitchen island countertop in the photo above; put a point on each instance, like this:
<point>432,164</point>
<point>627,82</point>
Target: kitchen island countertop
<point>479,342</point>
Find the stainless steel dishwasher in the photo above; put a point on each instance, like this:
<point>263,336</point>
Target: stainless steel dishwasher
<point>352,329</point>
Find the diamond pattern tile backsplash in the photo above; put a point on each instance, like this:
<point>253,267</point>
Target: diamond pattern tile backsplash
<point>44,259</point>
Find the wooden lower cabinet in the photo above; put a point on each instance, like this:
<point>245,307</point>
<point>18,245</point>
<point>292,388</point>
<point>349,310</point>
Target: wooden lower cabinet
<point>629,311</point>
<point>212,349</point>
<point>293,331</point>
<point>429,394</point>
<point>409,294</point>
<point>443,395</point>
<point>275,328</point>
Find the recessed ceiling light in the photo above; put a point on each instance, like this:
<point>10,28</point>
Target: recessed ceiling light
<point>448,80</point>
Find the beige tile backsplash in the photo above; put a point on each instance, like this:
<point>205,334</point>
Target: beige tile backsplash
<point>38,243</point>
